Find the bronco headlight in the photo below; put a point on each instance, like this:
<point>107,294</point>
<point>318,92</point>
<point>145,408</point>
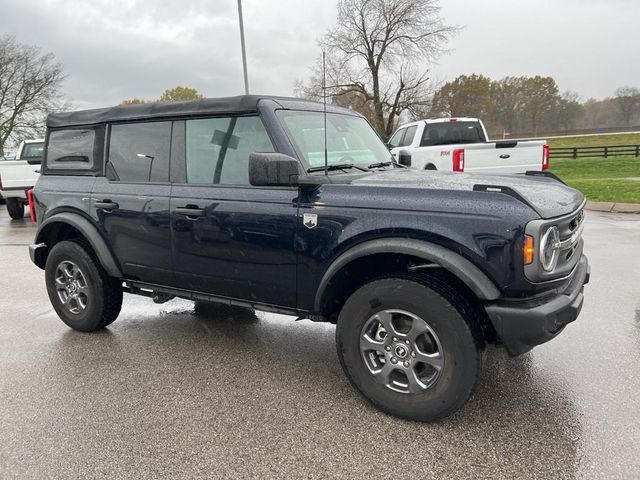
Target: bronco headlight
<point>549,248</point>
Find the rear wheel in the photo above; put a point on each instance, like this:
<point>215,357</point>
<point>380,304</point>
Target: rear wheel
<point>431,166</point>
<point>408,346</point>
<point>15,208</point>
<point>81,292</point>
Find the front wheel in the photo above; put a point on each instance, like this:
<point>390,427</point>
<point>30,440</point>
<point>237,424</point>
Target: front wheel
<point>408,346</point>
<point>15,208</point>
<point>81,292</point>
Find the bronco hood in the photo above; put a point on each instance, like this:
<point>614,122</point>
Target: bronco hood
<point>546,195</point>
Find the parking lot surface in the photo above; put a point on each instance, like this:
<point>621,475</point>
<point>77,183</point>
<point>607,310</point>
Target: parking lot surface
<point>169,392</point>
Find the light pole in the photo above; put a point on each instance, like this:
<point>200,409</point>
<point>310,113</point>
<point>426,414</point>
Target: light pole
<point>244,53</point>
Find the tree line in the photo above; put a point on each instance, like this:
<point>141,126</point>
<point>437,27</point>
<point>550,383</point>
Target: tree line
<point>509,105</point>
<point>532,105</point>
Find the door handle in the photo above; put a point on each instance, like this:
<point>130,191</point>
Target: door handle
<point>106,205</point>
<point>189,211</point>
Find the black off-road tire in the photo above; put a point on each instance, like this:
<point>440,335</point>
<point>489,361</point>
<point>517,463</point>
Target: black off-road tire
<point>449,316</point>
<point>104,293</point>
<point>15,208</point>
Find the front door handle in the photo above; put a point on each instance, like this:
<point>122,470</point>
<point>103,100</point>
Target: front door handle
<point>189,211</point>
<point>106,205</point>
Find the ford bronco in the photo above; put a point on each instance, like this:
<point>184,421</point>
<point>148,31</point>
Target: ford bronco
<point>270,203</point>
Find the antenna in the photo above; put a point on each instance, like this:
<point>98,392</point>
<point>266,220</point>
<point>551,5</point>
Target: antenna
<point>244,51</point>
<point>324,98</point>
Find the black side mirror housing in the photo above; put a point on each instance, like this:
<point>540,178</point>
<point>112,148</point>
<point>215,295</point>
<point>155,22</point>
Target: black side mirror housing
<point>34,160</point>
<point>273,170</point>
<point>404,158</point>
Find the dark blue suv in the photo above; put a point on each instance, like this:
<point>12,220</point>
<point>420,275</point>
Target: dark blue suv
<point>268,203</point>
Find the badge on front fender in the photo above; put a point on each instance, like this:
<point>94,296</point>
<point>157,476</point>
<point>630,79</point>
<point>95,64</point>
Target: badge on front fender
<point>310,220</point>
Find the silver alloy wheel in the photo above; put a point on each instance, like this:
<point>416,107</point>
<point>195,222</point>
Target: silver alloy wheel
<point>401,351</point>
<point>71,286</point>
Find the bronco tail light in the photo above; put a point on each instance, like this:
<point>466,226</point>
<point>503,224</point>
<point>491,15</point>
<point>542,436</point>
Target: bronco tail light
<point>32,206</point>
<point>545,157</point>
<point>528,250</point>
<point>458,160</point>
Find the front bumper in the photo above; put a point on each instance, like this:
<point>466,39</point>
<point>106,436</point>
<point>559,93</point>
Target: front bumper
<point>523,324</point>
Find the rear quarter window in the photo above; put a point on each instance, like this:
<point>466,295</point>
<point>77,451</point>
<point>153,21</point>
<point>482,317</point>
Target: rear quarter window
<point>73,149</point>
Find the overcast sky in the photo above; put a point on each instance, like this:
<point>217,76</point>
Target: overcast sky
<point>117,49</point>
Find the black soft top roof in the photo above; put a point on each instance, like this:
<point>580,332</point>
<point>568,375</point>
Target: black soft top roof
<point>242,104</point>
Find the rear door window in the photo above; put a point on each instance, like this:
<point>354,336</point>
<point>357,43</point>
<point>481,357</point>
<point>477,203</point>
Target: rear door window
<point>450,133</point>
<point>139,152</point>
<point>218,149</point>
<point>71,149</point>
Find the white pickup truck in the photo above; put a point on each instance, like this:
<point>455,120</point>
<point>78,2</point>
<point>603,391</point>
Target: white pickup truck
<point>20,175</point>
<point>461,145</point>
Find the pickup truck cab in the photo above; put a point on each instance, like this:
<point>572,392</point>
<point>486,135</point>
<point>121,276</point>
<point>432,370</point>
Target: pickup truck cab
<point>233,201</point>
<point>19,175</point>
<point>462,145</point>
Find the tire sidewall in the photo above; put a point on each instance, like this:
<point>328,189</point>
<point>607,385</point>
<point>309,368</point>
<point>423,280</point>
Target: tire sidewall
<point>15,208</point>
<point>461,357</point>
<point>91,317</point>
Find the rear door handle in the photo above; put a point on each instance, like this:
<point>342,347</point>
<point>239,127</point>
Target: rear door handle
<point>189,211</point>
<point>106,205</point>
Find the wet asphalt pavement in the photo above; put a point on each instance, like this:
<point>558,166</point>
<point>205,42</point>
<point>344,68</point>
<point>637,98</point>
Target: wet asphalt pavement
<point>166,392</point>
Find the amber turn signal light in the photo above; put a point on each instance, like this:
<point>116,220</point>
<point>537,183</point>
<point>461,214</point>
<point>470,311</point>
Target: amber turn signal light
<point>528,249</point>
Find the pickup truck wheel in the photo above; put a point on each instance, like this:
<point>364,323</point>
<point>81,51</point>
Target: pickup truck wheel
<point>15,208</point>
<point>81,292</point>
<point>408,347</point>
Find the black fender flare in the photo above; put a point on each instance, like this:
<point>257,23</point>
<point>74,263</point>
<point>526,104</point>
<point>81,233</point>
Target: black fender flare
<point>90,232</point>
<point>459,266</point>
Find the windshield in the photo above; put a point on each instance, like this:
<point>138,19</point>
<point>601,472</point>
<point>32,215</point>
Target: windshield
<point>350,139</point>
<point>32,150</point>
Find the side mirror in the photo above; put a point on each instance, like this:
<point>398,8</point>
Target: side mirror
<point>404,158</point>
<point>273,170</point>
<point>34,160</point>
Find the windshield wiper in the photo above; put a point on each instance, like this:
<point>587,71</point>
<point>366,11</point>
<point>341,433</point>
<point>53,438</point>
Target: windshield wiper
<point>387,164</point>
<point>339,166</point>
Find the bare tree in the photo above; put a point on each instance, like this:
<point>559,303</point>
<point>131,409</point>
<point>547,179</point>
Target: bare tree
<point>379,49</point>
<point>29,89</point>
<point>628,100</point>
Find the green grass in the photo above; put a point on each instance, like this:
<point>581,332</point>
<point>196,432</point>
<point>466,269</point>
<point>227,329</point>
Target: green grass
<point>600,179</point>
<point>600,190</point>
